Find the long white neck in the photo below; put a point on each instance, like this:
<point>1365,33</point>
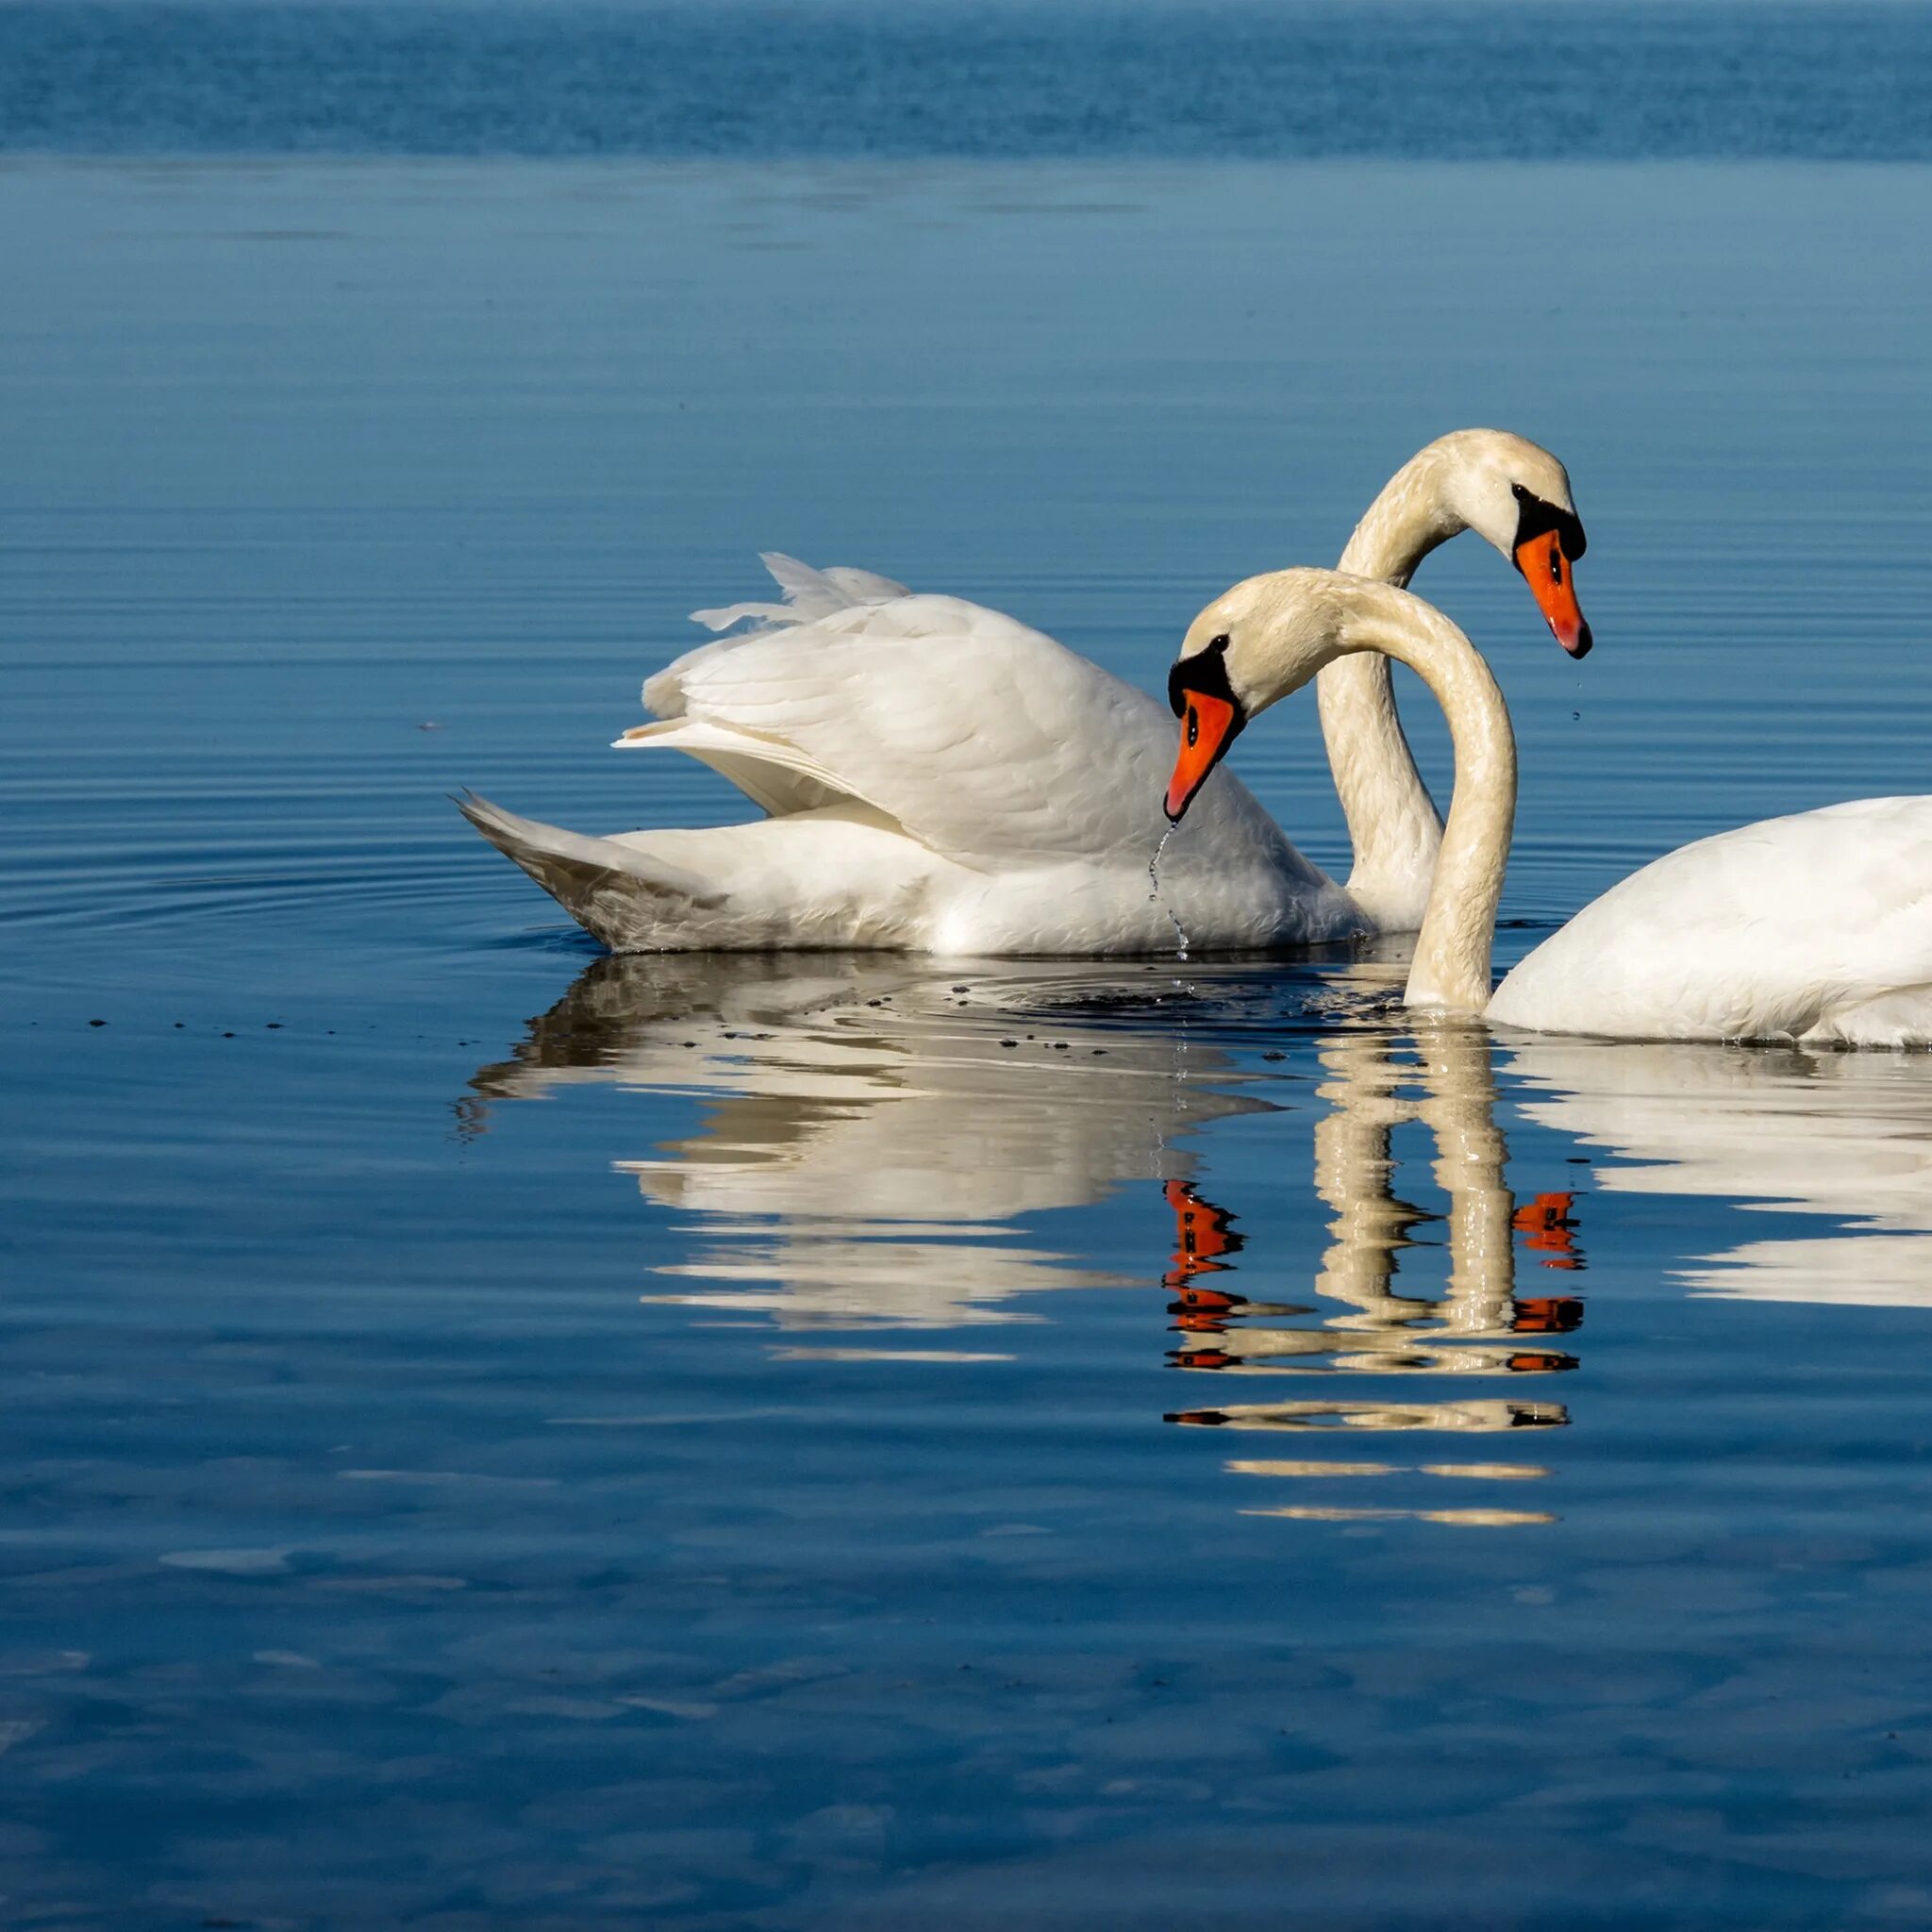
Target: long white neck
<point>1392,823</point>
<point>1451,968</point>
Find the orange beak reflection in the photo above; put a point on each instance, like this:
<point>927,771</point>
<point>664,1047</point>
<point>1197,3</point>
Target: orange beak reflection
<point>1209,726</point>
<point>1551,578</point>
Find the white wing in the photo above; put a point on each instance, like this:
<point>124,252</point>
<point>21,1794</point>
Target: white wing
<point>986,739</point>
<point>1779,929</point>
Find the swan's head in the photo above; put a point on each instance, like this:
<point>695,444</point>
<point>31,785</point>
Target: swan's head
<point>1253,645</point>
<point>1516,495</point>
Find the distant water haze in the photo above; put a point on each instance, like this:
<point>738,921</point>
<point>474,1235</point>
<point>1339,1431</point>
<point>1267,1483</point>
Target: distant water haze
<point>1148,79</point>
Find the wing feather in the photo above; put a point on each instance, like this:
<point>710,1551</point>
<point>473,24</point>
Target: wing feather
<point>986,739</point>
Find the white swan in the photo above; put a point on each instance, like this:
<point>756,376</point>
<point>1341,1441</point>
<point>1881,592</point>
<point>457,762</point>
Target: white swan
<point>941,778</point>
<point>1816,927</point>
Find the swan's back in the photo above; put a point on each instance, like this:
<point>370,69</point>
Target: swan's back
<point>988,741</point>
<point>1817,925</point>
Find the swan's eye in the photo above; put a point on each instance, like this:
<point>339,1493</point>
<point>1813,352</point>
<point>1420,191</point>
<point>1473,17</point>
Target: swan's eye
<point>1220,643</point>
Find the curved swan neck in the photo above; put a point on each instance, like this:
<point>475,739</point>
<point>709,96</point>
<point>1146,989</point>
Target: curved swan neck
<point>1393,828</point>
<point>1450,969</point>
<point>1407,521</point>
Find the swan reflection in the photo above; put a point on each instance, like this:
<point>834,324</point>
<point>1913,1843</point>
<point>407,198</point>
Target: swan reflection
<point>877,1134</point>
<point>1843,1136</point>
<point>1479,1326</point>
<point>876,1130</point>
<point>875,1127</point>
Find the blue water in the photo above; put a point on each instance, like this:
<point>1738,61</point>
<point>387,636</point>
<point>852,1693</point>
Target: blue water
<point>911,80</point>
<point>499,1436</point>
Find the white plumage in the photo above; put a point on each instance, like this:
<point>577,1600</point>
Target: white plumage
<point>1813,927</point>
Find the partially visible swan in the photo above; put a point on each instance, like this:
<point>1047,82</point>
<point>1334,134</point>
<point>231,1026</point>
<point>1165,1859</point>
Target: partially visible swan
<point>1816,927</point>
<point>941,778</point>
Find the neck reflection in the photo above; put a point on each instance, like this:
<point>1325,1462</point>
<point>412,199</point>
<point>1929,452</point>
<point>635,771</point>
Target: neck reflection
<point>1363,1323</point>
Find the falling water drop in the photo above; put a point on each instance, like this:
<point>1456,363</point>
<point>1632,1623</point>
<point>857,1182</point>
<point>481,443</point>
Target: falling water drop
<point>1154,880</point>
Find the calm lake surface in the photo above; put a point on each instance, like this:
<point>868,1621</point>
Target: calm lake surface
<point>502,1436</point>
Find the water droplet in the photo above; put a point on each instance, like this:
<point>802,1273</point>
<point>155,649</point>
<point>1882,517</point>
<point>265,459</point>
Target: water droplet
<point>1154,880</point>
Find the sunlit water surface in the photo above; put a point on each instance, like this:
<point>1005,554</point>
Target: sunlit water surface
<point>864,1443</point>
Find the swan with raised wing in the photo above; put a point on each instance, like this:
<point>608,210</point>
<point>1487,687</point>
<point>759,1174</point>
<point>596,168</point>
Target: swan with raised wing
<point>1816,927</point>
<point>939,777</point>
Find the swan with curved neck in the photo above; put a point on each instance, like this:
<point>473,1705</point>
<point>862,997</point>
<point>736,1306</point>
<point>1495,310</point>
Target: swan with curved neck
<point>1813,927</point>
<point>938,777</point>
<point>1516,496</point>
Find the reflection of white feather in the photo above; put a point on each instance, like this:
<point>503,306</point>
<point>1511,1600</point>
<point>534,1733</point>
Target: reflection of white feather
<point>1874,1271</point>
<point>1843,1135</point>
<point>869,1147</point>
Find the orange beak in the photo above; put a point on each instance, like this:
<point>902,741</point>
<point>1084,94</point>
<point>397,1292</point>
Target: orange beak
<point>1209,726</point>
<point>1551,578</point>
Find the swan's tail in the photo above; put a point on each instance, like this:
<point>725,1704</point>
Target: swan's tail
<point>622,894</point>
